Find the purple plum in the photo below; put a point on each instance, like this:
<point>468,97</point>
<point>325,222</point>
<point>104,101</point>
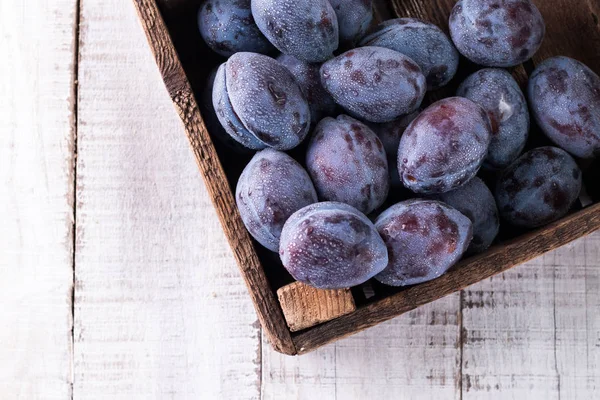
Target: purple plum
<point>422,41</point>
<point>538,188</point>
<point>501,97</point>
<point>424,239</point>
<point>564,96</point>
<point>271,188</point>
<point>444,147</point>
<point>374,83</point>
<point>331,246</point>
<point>497,33</point>
<point>348,164</point>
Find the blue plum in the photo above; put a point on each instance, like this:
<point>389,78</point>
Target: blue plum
<point>348,164</point>
<point>501,97</point>
<point>227,116</point>
<point>210,117</point>
<point>475,201</point>
<point>331,246</point>
<point>565,101</point>
<point>497,33</point>
<point>424,239</point>
<point>227,27</point>
<point>307,75</point>
<point>259,103</point>
<point>444,147</point>
<point>538,188</point>
<point>354,18</point>
<point>271,188</point>
<point>305,29</point>
<point>374,83</point>
<point>422,41</point>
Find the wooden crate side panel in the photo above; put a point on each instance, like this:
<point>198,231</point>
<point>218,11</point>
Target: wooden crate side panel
<point>178,86</point>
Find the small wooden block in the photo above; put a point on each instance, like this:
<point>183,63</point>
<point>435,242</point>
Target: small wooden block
<point>304,306</point>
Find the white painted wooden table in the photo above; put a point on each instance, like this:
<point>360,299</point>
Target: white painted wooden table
<point>116,281</point>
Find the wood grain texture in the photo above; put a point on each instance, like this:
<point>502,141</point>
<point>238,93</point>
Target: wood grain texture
<point>528,332</point>
<point>304,306</point>
<point>37,46</point>
<point>266,305</point>
<point>160,309</point>
<point>414,356</point>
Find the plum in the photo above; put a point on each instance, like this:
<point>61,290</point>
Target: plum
<point>348,164</point>
<point>444,147</point>
<point>475,201</point>
<point>564,96</point>
<point>271,188</point>
<point>307,75</point>
<point>538,188</point>
<point>227,27</point>
<point>501,97</point>
<point>228,118</point>
<point>422,41</point>
<point>210,117</point>
<point>305,29</point>
<point>424,239</point>
<point>331,246</point>
<point>259,103</point>
<point>497,33</point>
<point>374,83</point>
<point>354,18</point>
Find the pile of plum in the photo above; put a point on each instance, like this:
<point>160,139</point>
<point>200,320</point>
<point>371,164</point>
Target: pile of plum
<point>317,71</point>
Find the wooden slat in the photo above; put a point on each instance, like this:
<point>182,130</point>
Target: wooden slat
<point>466,273</point>
<point>411,357</point>
<point>267,308</point>
<point>161,311</point>
<point>529,332</point>
<point>37,47</point>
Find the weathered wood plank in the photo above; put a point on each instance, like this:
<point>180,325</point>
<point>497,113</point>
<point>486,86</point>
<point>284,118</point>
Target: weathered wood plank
<point>160,308</point>
<point>413,356</point>
<point>37,43</point>
<point>178,86</point>
<point>577,324</point>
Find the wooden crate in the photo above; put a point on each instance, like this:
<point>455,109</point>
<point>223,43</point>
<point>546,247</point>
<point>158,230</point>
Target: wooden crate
<point>185,62</point>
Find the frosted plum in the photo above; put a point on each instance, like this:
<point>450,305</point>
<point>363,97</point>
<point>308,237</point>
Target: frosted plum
<point>476,202</point>
<point>565,101</point>
<point>331,246</point>
<point>374,83</point>
<point>444,147</point>
<point>305,29</point>
<point>271,188</point>
<point>538,188</point>
<point>424,239</point>
<point>227,27</point>
<point>423,42</point>
<point>259,103</point>
<point>348,164</point>
<point>210,117</point>
<point>307,75</point>
<point>497,33</point>
<point>354,18</point>
<point>501,97</point>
